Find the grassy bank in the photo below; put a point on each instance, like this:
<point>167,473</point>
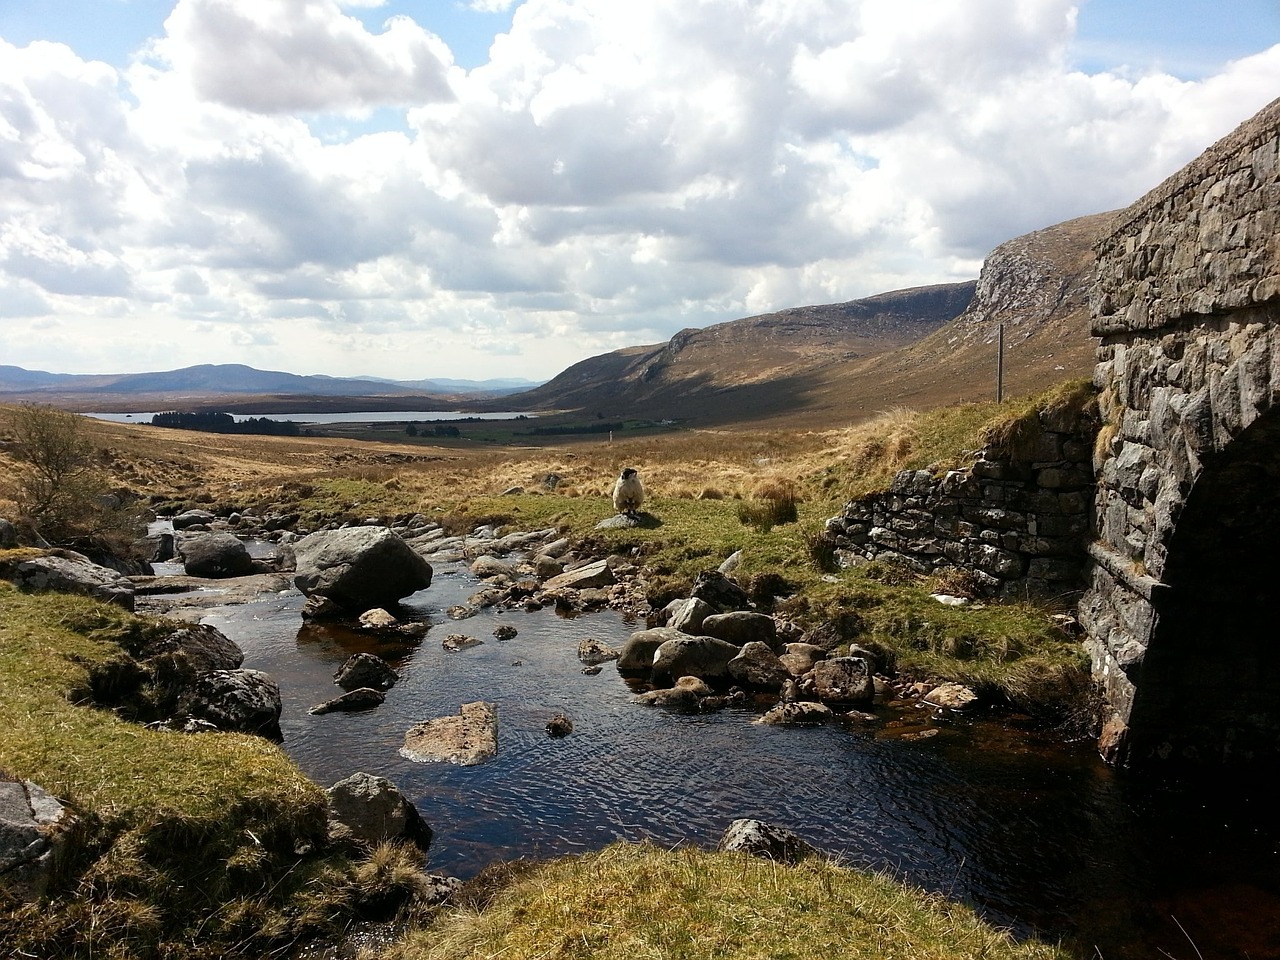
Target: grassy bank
<point>184,845</point>
<point>631,901</point>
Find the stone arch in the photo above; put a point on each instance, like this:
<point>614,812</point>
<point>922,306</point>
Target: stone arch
<point>1210,677</point>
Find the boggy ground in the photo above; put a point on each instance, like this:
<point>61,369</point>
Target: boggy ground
<point>712,493</point>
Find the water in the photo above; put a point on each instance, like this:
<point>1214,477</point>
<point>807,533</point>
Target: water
<point>370,416</point>
<point>1039,836</point>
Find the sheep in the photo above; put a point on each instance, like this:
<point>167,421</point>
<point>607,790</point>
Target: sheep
<point>628,492</point>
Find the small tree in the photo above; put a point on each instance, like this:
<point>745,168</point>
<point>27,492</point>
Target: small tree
<point>61,491</point>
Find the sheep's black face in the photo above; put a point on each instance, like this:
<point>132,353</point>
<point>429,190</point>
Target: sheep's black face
<point>628,473</point>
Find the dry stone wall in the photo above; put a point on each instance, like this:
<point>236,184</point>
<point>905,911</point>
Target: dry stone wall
<point>1019,524</point>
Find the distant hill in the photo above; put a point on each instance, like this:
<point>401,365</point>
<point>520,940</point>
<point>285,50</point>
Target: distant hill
<point>205,381</point>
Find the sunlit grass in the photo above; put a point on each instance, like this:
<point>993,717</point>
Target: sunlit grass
<point>632,901</point>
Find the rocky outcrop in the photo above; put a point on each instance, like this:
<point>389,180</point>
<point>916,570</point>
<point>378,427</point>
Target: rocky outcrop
<point>359,568</point>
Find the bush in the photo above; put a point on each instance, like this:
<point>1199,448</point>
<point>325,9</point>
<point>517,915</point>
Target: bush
<point>61,492</point>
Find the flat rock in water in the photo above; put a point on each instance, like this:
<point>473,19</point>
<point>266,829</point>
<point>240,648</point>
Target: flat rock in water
<point>362,698</point>
<point>951,696</point>
<point>802,712</point>
<point>592,575</point>
<point>467,739</point>
<point>460,641</point>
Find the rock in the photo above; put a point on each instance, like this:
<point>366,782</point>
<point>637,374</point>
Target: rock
<point>719,591</point>
<point>559,726</point>
<point>592,651</point>
<point>841,680</point>
<point>756,665</point>
<point>621,521</point>
<point>596,574</point>
<point>246,701</point>
<point>593,670</point>
<point>365,810</point>
<point>440,890</point>
<point>193,518</point>
<point>8,535</point>
<point>214,555</point>
<point>461,611</point>
<point>799,658</point>
<point>695,685</point>
<point>637,653</point>
<point>321,608</point>
<point>165,547</point>
<point>687,615</point>
<point>377,619</point>
<point>505,632</point>
<point>802,712</point>
<point>731,563</point>
<point>951,696</point>
<point>467,739</point>
<point>765,840</point>
<point>359,567</point>
<point>679,699</point>
<point>704,657</point>
<point>365,670</point>
<point>203,647</point>
<point>361,698</point>
<point>34,831</point>
<point>460,641</point>
<point>547,567</point>
<point>741,627</point>
<point>488,567</point>
<point>70,572</point>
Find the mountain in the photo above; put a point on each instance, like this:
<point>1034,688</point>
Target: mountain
<point>497,387</point>
<point>754,367</point>
<point>819,365</point>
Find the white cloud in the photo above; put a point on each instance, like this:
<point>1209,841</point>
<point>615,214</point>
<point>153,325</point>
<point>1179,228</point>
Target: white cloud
<point>614,173</point>
<point>277,56</point>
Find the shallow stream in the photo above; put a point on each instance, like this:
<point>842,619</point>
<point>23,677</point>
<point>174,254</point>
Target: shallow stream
<point>1037,835</point>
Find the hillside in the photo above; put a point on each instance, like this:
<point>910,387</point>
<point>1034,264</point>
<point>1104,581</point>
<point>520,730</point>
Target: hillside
<point>750,368</point>
<point>922,347</point>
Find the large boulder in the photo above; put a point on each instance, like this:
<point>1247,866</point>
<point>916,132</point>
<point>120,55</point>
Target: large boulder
<point>214,555</point>
<point>8,535</point>
<point>245,701</point>
<point>741,627</point>
<point>365,810</point>
<point>192,518</point>
<point>33,832</point>
<point>756,665</point>
<point>840,680</point>
<point>637,653</point>
<point>70,572</point>
<point>359,568</point>
<point>704,657</point>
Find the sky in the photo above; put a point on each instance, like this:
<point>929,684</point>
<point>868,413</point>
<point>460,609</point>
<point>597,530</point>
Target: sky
<point>493,188</point>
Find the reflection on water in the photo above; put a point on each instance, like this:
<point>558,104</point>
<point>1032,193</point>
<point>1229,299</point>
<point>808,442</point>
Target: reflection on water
<point>1039,836</point>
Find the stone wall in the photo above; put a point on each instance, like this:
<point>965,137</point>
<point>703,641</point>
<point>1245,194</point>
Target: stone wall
<point>1019,523</point>
<point>1187,306</point>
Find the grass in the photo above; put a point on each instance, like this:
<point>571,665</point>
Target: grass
<point>639,901</point>
<point>188,845</point>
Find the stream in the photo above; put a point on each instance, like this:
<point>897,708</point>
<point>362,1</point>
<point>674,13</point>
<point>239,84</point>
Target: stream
<point>1039,836</point>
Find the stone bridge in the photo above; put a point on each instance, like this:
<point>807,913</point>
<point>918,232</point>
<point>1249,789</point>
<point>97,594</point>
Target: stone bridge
<point>1181,602</point>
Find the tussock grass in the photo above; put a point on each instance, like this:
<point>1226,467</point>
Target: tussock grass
<point>630,901</point>
<point>188,845</point>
